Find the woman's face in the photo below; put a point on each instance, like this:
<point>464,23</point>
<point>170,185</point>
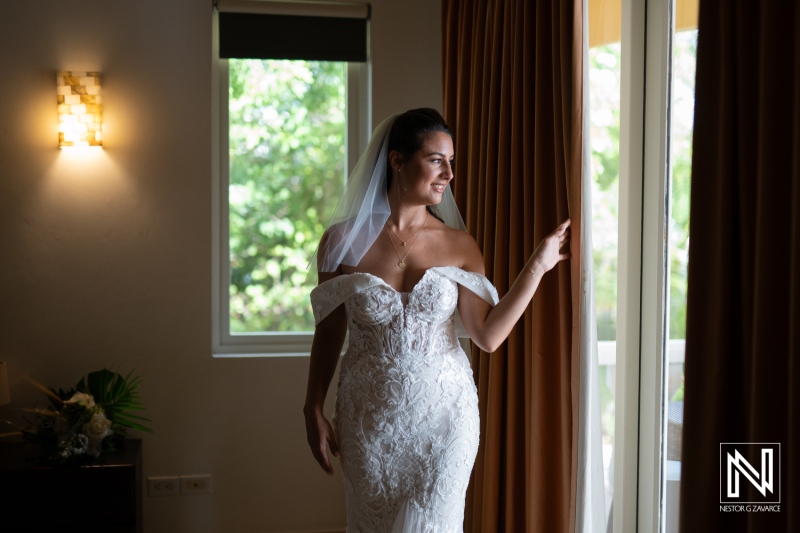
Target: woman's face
<point>424,176</point>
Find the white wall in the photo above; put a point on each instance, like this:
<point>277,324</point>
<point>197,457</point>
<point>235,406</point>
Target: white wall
<point>105,258</point>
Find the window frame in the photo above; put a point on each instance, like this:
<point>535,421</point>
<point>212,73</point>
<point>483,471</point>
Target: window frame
<point>358,97</point>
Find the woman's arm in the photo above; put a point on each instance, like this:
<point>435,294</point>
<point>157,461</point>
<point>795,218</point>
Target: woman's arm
<point>489,326</point>
<point>325,350</point>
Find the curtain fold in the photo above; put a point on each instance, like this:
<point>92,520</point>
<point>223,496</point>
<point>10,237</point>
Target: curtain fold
<point>742,373</point>
<point>513,94</point>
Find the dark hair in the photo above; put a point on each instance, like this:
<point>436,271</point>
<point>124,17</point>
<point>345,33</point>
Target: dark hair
<point>410,130</point>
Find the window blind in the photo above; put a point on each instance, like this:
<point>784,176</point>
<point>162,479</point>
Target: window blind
<point>282,30</point>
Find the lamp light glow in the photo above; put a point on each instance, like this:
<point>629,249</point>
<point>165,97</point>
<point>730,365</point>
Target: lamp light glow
<point>80,109</point>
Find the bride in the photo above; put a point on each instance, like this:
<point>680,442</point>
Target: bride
<point>394,266</point>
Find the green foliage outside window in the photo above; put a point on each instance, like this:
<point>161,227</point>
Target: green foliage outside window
<point>287,146</point>
<point>604,94</point>
<point>682,126</point>
<point>605,106</point>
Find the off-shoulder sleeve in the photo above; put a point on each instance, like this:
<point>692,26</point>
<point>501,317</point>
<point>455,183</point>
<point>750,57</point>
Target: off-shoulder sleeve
<point>475,282</point>
<point>330,294</point>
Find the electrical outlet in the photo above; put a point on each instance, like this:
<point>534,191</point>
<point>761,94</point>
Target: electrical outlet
<point>199,484</point>
<point>162,486</point>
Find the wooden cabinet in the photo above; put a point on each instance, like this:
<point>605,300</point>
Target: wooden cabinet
<point>105,495</point>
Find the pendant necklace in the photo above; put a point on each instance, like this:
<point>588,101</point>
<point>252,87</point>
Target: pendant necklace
<point>402,260</point>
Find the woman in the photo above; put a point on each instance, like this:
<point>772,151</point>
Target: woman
<point>394,266</point>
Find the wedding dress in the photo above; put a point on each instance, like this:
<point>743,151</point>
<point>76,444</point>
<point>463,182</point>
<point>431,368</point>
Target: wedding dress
<point>406,417</point>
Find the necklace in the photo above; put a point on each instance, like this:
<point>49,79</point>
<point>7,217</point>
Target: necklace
<point>403,242</point>
<point>402,260</point>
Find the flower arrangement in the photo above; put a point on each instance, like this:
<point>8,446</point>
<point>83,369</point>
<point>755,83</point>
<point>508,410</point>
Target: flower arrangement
<point>88,419</point>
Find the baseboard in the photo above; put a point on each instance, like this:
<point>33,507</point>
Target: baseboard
<point>318,531</point>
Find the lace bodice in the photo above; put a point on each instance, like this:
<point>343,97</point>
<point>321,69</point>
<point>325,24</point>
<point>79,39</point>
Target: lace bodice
<point>331,294</point>
<point>406,410</point>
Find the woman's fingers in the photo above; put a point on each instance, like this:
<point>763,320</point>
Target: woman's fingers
<point>321,455</point>
<point>563,236</point>
<point>320,436</point>
<point>333,446</point>
<point>547,254</point>
<point>323,459</point>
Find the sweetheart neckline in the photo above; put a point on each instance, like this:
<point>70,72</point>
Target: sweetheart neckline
<point>385,284</point>
<point>334,291</point>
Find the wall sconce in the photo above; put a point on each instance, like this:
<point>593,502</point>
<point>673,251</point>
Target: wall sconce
<point>80,110</point>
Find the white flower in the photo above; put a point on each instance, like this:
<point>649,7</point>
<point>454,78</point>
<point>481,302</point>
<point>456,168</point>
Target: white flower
<point>83,399</point>
<point>98,428</point>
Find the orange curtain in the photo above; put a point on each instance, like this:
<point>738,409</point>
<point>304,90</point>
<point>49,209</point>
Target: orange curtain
<point>742,373</point>
<point>513,96</point>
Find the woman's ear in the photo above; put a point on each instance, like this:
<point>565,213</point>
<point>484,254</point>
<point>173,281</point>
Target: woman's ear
<point>396,159</point>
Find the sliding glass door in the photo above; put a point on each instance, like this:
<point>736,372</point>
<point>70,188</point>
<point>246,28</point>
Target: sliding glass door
<point>641,85</point>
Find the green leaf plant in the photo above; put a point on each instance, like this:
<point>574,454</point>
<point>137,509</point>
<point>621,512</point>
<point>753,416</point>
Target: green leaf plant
<point>90,418</point>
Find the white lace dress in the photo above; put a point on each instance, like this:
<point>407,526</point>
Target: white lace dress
<point>406,415</point>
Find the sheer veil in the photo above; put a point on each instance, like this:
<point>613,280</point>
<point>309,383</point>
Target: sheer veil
<point>364,208</point>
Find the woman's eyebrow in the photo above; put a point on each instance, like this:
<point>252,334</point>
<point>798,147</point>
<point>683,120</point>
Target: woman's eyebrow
<point>437,153</point>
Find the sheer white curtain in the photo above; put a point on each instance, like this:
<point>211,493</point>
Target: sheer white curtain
<point>590,514</point>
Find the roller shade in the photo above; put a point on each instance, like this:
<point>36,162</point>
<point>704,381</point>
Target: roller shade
<point>266,32</point>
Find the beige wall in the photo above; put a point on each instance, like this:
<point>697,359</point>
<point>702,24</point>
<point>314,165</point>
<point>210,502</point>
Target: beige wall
<point>105,258</point>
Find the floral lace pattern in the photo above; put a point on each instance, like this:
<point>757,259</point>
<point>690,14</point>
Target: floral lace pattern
<point>407,409</point>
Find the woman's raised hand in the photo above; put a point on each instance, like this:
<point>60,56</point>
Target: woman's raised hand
<point>548,253</point>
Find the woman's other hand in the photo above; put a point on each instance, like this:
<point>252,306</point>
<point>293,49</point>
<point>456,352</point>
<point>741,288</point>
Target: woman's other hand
<point>548,253</point>
<point>320,437</point>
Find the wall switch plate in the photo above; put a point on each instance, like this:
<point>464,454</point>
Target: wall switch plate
<point>163,486</point>
<point>198,484</point>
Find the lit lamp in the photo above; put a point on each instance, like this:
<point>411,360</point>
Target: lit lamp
<point>80,110</point>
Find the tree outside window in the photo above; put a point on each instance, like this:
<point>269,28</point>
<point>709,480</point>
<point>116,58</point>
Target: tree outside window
<point>287,165</point>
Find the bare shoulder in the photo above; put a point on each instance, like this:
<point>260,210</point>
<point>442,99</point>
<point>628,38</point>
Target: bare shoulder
<point>461,249</point>
<point>332,235</point>
<point>330,243</point>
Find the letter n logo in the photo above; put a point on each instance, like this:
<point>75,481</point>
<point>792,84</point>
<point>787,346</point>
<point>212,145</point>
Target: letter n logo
<point>756,463</point>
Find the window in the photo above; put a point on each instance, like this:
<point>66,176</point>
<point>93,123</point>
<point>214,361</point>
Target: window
<point>641,92</point>
<point>286,140</point>
<point>291,111</point>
